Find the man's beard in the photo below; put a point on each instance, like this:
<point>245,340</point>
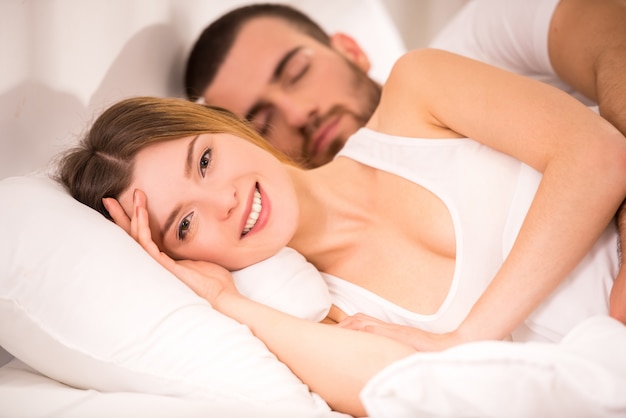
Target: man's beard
<point>369,92</point>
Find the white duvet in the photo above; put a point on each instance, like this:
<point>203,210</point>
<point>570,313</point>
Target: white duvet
<point>582,376</point>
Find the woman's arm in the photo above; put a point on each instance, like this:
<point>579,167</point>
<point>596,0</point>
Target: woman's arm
<point>582,157</point>
<point>334,362</point>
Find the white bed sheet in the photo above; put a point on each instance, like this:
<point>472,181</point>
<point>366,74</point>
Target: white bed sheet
<point>26,393</point>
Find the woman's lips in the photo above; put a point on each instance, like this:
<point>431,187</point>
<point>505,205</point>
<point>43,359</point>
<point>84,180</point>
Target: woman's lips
<point>257,211</point>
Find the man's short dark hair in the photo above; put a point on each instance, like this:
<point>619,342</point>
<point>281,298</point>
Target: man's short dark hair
<point>211,48</point>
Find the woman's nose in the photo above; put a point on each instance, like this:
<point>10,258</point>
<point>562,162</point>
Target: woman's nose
<point>221,201</point>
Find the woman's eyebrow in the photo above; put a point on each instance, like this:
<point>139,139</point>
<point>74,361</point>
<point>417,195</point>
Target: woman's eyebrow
<point>189,161</point>
<point>170,221</point>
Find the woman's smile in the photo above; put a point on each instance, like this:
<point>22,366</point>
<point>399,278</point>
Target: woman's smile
<point>257,212</point>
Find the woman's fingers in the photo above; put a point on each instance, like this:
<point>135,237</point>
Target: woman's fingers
<point>417,338</point>
<point>186,271</point>
<point>359,322</point>
<point>138,226</point>
<point>117,213</point>
<point>139,201</point>
<point>365,323</point>
<point>143,235</point>
<point>208,280</point>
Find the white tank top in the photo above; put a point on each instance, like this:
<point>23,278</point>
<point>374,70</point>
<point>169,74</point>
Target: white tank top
<point>487,194</point>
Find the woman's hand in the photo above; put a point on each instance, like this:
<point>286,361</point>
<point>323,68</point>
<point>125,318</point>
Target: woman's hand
<point>208,280</point>
<point>416,338</point>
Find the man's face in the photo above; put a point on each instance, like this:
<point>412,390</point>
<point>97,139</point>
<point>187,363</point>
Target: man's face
<point>304,97</point>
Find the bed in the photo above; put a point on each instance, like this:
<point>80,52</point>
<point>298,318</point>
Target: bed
<point>92,326</point>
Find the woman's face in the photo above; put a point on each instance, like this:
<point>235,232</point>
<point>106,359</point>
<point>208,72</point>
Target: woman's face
<point>215,197</point>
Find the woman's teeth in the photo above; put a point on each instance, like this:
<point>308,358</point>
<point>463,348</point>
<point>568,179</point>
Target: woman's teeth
<point>254,212</point>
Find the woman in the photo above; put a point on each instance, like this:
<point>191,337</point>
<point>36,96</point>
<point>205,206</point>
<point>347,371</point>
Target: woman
<point>186,181</point>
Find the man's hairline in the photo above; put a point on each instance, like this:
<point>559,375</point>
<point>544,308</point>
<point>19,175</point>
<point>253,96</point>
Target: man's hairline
<point>242,27</point>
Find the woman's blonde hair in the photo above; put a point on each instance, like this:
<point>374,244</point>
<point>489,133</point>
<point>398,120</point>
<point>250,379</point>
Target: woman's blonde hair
<point>101,165</point>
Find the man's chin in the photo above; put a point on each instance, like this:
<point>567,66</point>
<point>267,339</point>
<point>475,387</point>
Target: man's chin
<point>324,158</point>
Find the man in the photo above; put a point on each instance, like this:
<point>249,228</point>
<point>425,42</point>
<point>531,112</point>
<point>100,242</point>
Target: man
<point>307,92</point>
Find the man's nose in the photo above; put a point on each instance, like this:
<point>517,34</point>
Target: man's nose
<point>297,110</point>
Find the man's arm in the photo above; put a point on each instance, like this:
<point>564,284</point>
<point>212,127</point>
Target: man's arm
<point>587,47</point>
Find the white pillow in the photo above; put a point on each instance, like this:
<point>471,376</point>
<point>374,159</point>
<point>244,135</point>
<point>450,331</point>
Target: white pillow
<point>582,376</point>
<point>82,303</point>
<point>287,282</point>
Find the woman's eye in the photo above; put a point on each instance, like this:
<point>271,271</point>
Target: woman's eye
<point>184,226</point>
<point>205,161</point>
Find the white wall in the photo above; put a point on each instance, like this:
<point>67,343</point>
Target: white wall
<point>63,61</point>
<point>420,20</point>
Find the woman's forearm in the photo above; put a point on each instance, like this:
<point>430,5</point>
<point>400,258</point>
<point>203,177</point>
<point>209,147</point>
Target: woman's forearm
<point>576,200</point>
<point>334,362</point>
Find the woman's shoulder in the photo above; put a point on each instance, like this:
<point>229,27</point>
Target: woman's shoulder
<point>405,108</point>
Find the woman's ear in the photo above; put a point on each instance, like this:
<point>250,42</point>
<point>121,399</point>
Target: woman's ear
<point>349,48</point>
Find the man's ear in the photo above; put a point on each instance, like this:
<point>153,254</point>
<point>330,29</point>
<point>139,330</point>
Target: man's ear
<point>349,48</point>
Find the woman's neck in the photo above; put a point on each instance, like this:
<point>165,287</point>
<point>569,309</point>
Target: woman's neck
<point>333,202</point>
